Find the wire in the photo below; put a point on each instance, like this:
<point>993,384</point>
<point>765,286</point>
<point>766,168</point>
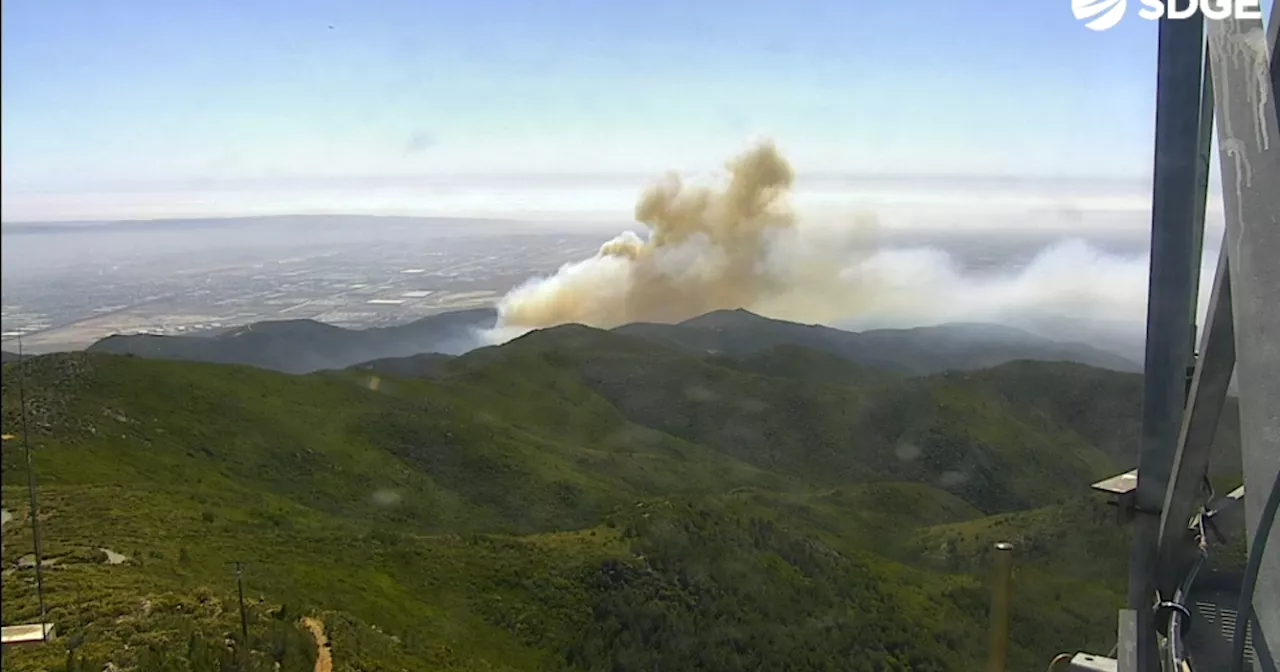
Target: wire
<point>1244,610</point>
<point>1060,659</point>
<point>1177,656</point>
<point>1177,607</point>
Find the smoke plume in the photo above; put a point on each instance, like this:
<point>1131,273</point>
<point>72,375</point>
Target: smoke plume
<point>741,246</point>
<point>707,249</point>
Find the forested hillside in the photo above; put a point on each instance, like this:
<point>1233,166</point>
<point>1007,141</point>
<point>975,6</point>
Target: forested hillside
<point>574,499</point>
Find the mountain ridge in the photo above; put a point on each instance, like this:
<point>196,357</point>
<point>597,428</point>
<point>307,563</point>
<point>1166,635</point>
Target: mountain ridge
<point>916,350</point>
<point>306,346</point>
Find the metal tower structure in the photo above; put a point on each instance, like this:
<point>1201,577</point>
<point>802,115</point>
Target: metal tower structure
<point>1182,613</point>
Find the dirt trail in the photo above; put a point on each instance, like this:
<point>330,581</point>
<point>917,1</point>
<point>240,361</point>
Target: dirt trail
<point>324,656</point>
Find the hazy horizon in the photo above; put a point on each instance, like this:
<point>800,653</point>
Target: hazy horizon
<point>144,109</point>
<point>981,203</point>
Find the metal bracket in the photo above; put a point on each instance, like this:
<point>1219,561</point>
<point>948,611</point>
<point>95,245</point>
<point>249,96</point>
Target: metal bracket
<point>1085,662</point>
<point>1122,493</point>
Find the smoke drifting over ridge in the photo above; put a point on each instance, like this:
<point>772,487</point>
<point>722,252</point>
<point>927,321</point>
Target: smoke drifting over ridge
<point>703,252</point>
<point>742,246</point>
<point>734,247</point>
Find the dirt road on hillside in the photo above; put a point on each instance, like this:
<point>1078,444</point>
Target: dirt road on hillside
<point>324,656</point>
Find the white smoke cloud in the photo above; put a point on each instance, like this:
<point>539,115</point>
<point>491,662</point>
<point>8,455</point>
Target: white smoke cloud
<point>1070,278</point>
<point>1071,291</point>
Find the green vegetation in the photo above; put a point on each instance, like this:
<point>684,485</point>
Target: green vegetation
<point>575,499</point>
<point>918,351</point>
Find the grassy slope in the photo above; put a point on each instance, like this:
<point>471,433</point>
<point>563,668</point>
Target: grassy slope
<point>361,496</point>
<point>1103,407</point>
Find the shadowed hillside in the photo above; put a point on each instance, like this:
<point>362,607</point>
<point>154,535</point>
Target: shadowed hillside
<point>921,350</point>
<point>303,346</point>
<point>960,436</point>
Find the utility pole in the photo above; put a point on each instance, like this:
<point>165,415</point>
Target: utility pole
<point>31,492</point>
<point>1001,598</point>
<point>244,621</point>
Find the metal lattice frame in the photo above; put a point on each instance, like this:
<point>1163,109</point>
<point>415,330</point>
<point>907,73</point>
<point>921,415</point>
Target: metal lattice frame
<point>1238,76</point>
<point>1237,72</point>
<point>1170,305</point>
<point>1245,85</point>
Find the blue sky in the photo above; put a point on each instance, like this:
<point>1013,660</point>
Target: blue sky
<point>109,96</point>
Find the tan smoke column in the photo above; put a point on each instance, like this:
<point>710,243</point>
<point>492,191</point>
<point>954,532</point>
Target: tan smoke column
<point>707,249</point>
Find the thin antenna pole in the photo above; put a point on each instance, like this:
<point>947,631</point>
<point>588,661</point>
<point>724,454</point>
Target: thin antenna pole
<point>31,490</point>
<point>244,621</point>
<point>998,648</point>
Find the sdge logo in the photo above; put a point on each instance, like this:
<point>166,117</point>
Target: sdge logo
<point>1105,14</point>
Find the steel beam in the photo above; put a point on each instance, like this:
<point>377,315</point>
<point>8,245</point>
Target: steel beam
<point>1204,158</point>
<point>1212,369</point>
<point>1169,313</point>
<point>1249,149</point>
<point>1127,641</point>
<point>1199,427</point>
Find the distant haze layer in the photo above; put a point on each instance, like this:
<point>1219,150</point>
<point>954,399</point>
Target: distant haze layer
<point>1063,259</point>
<point>900,201</point>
